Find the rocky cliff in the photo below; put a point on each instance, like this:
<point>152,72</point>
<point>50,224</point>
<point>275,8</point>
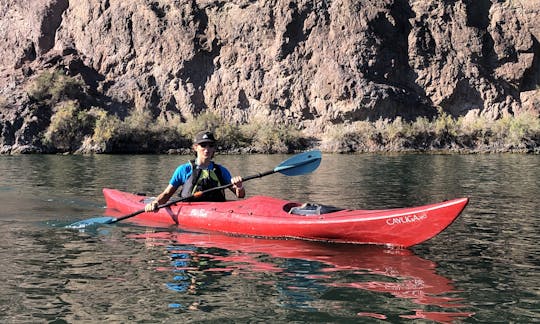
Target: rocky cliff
<point>308,63</point>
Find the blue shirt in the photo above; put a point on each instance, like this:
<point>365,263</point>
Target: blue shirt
<point>183,172</point>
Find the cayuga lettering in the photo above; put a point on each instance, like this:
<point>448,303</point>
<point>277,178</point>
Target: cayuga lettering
<point>406,219</point>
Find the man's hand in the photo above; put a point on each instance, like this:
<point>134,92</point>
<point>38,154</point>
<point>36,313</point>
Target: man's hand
<point>238,187</point>
<point>151,207</point>
<point>237,182</point>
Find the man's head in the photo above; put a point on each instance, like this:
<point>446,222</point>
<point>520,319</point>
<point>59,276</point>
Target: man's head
<point>204,145</point>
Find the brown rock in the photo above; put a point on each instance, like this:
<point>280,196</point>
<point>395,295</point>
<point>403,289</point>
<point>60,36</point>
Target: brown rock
<point>310,63</point>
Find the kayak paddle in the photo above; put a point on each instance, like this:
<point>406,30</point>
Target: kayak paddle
<point>299,164</point>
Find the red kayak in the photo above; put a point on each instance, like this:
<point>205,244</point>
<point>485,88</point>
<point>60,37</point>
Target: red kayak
<point>269,217</point>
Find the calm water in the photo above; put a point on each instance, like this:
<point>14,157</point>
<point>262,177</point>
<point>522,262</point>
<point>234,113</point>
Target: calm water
<point>483,268</point>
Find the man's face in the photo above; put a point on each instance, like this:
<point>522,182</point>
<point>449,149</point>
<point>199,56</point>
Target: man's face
<point>205,150</point>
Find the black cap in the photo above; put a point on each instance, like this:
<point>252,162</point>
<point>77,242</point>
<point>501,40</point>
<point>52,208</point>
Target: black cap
<point>204,137</point>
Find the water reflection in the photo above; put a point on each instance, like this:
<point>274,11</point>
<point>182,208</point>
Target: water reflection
<point>310,275</point>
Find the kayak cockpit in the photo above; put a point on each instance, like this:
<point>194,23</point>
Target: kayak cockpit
<point>308,209</point>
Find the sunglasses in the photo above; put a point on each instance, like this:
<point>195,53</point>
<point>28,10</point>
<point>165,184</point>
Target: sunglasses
<point>207,145</point>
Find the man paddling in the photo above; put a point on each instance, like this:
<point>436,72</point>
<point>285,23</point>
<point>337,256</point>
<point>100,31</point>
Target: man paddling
<point>200,174</point>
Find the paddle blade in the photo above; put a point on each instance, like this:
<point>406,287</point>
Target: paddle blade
<point>92,221</point>
<point>300,164</point>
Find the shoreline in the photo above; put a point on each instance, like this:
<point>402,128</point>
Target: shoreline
<point>75,131</point>
<point>30,150</point>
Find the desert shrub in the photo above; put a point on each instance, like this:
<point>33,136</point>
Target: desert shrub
<point>106,129</point>
<point>334,138</point>
<point>136,133</point>
<point>420,134</point>
<point>69,125</point>
<point>273,138</point>
<point>228,135</point>
<point>231,137</point>
<point>205,121</point>
<point>391,133</point>
<point>445,130</point>
<point>140,132</point>
<point>445,125</point>
<point>166,129</point>
<point>515,131</point>
<point>421,125</point>
<point>73,128</point>
<point>344,138</point>
<point>473,124</point>
<point>106,126</point>
<point>54,87</point>
<point>39,89</point>
<point>395,130</point>
<point>138,121</point>
<point>65,87</point>
<point>260,135</point>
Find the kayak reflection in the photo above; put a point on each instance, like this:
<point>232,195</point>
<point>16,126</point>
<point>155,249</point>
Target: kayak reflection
<point>398,272</point>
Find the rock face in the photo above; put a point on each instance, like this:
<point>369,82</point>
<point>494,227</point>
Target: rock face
<point>308,63</point>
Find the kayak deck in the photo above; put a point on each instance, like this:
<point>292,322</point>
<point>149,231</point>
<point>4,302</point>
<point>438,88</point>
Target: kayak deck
<point>270,217</point>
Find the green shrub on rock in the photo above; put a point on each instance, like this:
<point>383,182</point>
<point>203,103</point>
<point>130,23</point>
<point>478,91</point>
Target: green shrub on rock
<point>69,125</point>
<point>55,86</point>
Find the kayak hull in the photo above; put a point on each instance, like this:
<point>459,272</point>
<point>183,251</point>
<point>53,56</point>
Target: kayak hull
<point>264,216</point>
